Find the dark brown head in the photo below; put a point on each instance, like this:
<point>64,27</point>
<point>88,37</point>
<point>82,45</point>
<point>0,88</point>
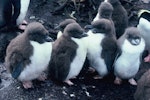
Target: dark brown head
<point>132,34</point>
<point>102,26</point>
<point>74,30</point>
<point>64,23</point>
<point>36,32</point>
<point>114,2</point>
<point>105,10</point>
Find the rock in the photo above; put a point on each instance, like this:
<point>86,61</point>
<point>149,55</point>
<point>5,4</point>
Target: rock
<point>146,1</point>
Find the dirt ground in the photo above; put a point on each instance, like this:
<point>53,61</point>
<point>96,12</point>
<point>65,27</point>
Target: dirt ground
<point>49,13</point>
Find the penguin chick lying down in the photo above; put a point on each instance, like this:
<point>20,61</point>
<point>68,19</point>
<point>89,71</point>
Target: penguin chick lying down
<point>28,54</point>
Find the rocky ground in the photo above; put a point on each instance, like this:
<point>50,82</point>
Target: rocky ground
<point>50,13</point>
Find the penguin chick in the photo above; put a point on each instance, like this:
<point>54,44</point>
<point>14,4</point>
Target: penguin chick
<point>103,49</point>
<point>144,27</point>
<point>143,87</point>
<point>119,17</point>
<point>68,54</point>
<point>105,10</point>
<point>127,64</point>
<point>28,55</point>
<point>62,26</point>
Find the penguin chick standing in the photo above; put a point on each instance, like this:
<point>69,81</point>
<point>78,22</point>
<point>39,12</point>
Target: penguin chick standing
<point>127,64</point>
<point>144,28</point>
<point>68,54</point>
<point>105,10</point>
<point>13,12</point>
<point>28,54</point>
<point>103,49</point>
<point>119,17</point>
<point>62,26</point>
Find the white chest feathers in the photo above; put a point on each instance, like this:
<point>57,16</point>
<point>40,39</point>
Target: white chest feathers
<point>59,34</point>
<point>39,61</point>
<point>78,61</point>
<point>94,53</point>
<point>144,25</point>
<point>96,17</point>
<point>23,11</point>
<point>127,65</point>
<point>144,28</point>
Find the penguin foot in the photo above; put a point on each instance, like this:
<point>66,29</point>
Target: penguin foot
<point>42,77</point>
<point>97,77</point>
<point>23,25</point>
<point>69,82</point>
<point>91,70</point>
<point>27,84</point>
<point>147,59</point>
<point>117,81</point>
<point>73,77</point>
<point>132,81</point>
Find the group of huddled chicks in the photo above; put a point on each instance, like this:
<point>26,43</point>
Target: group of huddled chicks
<point>109,45</point>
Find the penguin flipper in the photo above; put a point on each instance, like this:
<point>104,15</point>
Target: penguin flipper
<point>109,53</point>
<point>61,58</point>
<point>17,70</point>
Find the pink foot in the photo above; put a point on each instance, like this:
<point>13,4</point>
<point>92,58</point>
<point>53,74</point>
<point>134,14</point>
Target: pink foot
<point>97,77</point>
<point>132,81</point>
<point>23,25</point>
<point>117,81</point>
<point>27,84</point>
<point>24,22</point>
<point>147,59</point>
<point>69,82</point>
<point>91,70</point>
<point>42,77</point>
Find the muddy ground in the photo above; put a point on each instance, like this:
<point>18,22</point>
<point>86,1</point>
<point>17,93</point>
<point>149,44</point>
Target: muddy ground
<point>49,13</point>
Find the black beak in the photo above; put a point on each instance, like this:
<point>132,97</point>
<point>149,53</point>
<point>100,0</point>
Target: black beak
<point>88,27</point>
<point>84,35</point>
<point>48,39</point>
<point>94,31</point>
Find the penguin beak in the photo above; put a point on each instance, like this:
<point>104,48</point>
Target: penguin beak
<point>136,41</point>
<point>81,35</point>
<point>84,34</point>
<point>48,39</point>
<point>88,27</point>
<point>94,30</point>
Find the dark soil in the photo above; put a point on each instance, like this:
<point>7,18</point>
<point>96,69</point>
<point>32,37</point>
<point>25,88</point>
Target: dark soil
<point>86,88</point>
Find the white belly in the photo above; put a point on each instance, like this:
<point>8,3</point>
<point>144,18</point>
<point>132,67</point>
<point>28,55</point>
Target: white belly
<point>127,65</point>
<point>94,53</point>
<point>39,61</point>
<point>79,59</point>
